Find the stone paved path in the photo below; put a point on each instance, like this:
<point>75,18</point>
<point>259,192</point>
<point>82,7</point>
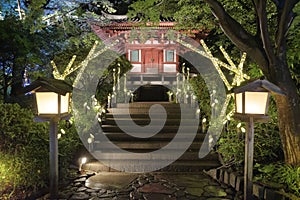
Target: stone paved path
<point>150,186</point>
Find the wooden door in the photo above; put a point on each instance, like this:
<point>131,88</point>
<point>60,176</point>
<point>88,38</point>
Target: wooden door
<point>152,60</point>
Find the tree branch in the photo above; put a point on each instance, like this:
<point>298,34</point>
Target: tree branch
<point>260,7</point>
<point>159,3</point>
<point>285,19</point>
<point>238,35</point>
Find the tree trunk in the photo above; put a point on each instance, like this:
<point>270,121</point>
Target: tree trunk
<point>290,137</point>
<point>288,111</point>
<point>16,82</point>
<point>5,84</point>
<point>288,122</point>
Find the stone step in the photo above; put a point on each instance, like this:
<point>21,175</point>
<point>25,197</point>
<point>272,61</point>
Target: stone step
<point>146,121</point>
<point>145,115</point>
<point>179,165</point>
<point>140,145</point>
<point>188,112</point>
<point>164,129</point>
<point>133,146</point>
<point>149,104</point>
<point>117,136</point>
<point>188,155</point>
<point>156,106</point>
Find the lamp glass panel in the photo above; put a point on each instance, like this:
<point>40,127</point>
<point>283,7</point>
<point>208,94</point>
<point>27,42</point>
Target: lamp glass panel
<point>64,103</point>
<point>47,102</point>
<point>239,102</point>
<point>256,102</point>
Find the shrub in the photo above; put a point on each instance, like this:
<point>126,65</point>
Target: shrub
<point>267,143</point>
<point>24,144</point>
<point>286,176</point>
<point>68,145</point>
<point>231,145</point>
<point>9,168</point>
<point>201,92</point>
<point>268,154</point>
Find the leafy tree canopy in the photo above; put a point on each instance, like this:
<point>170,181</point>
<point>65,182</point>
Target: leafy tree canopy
<point>34,32</point>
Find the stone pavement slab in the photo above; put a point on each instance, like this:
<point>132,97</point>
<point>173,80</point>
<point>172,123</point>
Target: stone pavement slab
<point>156,188</point>
<point>110,180</point>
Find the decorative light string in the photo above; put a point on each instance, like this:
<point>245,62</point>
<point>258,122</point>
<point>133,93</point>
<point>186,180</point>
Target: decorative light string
<point>68,70</point>
<point>214,61</point>
<point>238,78</point>
<point>91,56</point>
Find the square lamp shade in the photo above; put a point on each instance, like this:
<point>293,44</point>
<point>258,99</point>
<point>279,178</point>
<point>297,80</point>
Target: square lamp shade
<point>253,98</point>
<point>51,103</point>
<point>52,97</point>
<point>252,102</point>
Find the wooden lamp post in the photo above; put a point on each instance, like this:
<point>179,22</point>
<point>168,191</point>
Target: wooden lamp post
<point>52,98</point>
<point>251,105</point>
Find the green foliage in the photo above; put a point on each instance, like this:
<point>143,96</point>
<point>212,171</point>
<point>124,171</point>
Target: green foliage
<point>80,46</point>
<point>9,170</point>
<point>152,9</point>
<point>294,47</point>
<point>267,152</point>
<point>27,145</point>
<point>93,103</point>
<point>17,128</point>
<point>34,15</point>
<point>267,143</point>
<point>19,50</point>
<point>31,43</point>
<point>279,174</point>
<point>105,84</point>
<point>147,7</point>
<point>24,150</point>
<point>68,144</point>
<point>194,15</point>
<point>200,90</point>
<point>231,145</point>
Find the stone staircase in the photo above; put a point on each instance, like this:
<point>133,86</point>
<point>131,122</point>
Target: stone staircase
<point>118,118</point>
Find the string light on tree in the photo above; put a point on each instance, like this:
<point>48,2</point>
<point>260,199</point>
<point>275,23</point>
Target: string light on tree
<point>69,69</point>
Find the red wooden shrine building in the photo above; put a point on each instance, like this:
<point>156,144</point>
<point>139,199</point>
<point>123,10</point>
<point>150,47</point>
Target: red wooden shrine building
<point>154,55</point>
<point>154,58</point>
